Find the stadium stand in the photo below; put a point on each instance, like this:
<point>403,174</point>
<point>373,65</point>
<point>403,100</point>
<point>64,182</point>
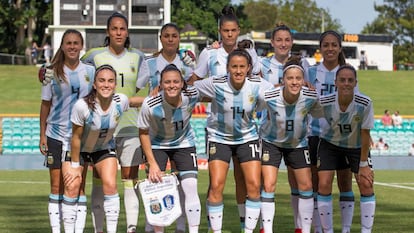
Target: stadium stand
<point>20,135</point>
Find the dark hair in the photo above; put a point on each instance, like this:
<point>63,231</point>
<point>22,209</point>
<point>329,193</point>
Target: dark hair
<point>228,15</point>
<point>172,67</point>
<point>242,53</point>
<point>280,27</point>
<point>341,56</point>
<point>108,23</point>
<point>163,28</point>
<point>90,97</point>
<point>58,60</point>
<point>346,66</point>
<point>293,62</point>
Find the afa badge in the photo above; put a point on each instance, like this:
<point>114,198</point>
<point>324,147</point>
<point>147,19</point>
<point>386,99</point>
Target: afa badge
<point>213,149</point>
<point>357,118</point>
<point>251,99</point>
<point>155,206</point>
<point>87,78</point>
<point>265,156</point>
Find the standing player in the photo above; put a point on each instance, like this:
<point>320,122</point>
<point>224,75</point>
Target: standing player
<point>94,120</point>
<point>213,62</point>
<point>231,131</point>
<point>67,80</point>
<point>166,133</point>
<point>283,131</point>
<point>322,77</point>
<point>344,142</point>
<point>150,72</point>
<point>127,62</point>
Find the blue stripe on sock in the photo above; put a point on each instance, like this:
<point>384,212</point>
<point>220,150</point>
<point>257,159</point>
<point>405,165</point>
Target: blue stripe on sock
<point>306,193</point>
<point>107,197</point>
<point>82,198</point>
<point>253,204</point>
<point>55,197</point>
<point>346,194</point>
<point>267,195</point>
<point>324,198</point>
<point>294,191</point>
<point>215,209</point>
<point>368,198</point>
<point>70,199</point>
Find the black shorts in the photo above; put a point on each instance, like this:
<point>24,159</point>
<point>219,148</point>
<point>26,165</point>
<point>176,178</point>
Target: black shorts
<point>294,157</point>
<point>97,156</point>
<point>53,158</point>
<point>313,143</point>
<point>331,157</point>
<point>250,151</point>
<point>185,159</point>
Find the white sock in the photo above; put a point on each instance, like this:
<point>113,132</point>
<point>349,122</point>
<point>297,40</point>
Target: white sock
<point>192,201</point>
<point>346,204</point>
<point>215,214</point>
<point>81,214</point>
<point>111,207</point>
<point>252,214</point>
<point>69,211</point>
<point>316,219</point>
<point>131,204</point>
<point>367,206</point>
<point>305,208</point>
<point>97,199</point>
<point>55,209</point>
<point>294,199</point>
<point>181,222</point>
<point>267,211</point>
<point>326,213</point>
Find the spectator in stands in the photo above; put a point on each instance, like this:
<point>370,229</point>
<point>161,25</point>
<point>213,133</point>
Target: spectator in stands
<point>165,136</point>
<point>34,52</point>
<point>397,119</point>
<point>68,80</point>
<point>94,119</point>
<point>47,52</point>
<point>345,143</point>
<point>386,118</point>
<point>363,60</point>
<point>411,150</point>
<point>381,145</point>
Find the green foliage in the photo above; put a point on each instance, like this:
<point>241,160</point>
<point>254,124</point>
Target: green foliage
<point>396,18</point>
<point>23,202</point>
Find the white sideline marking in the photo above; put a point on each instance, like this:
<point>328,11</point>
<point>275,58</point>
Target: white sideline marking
<point>393,185</point>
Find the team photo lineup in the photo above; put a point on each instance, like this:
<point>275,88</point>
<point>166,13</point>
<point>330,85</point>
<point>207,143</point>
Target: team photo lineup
<point>259,110</point>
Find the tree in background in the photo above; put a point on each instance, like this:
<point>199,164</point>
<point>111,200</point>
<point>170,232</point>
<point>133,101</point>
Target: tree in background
<point>396,18</point>
<point>23,21</point>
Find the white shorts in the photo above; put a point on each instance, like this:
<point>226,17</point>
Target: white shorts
<point>128,150</point>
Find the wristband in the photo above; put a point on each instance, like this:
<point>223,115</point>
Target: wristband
<point>363,164</point>
<point>74,164</point>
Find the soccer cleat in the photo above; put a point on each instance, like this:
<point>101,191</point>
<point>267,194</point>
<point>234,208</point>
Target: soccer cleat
<point>298,230</point>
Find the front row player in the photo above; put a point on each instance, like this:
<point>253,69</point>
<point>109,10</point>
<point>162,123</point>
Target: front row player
<point>94,119</point>
<point>345,142</point>
<point>165,133</point>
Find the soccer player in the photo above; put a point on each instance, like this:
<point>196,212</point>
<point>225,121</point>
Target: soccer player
<point>165,133</point>
<point>127,62</point>
<point>344,142</point>
<point>213,62</point>
<point>67,80</point>
<point>322,78</point>
<point>150,72</point>
<point>231,131</point>
<point>94,119</point>
<point>272,70</point>
<point>283,130</point>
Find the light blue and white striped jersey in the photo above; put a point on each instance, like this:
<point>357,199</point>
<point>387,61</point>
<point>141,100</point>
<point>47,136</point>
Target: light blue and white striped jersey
<point>286,125</point>
<point>323,80</point>
<point>127,66</point>
<point>213,62</point>
<point>63,95</point>
<point>169,127</point>
<point>271,69</point>
<point>150,71</point>
<point>344,128</point>
<point>231,120</point>
<point>99,126</point>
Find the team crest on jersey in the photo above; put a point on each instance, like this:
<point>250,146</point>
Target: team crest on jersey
<point>265,156</point>
<point>251,98</point>
<point>213,149</point>
<point>183,72</point>
<point>169,202</point>
<point>132,67</point>
<point>87,78</point>
<point>357,118</point>
<point>155,206</point>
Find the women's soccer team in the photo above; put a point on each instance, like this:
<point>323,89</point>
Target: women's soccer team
<point>261,109</point>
